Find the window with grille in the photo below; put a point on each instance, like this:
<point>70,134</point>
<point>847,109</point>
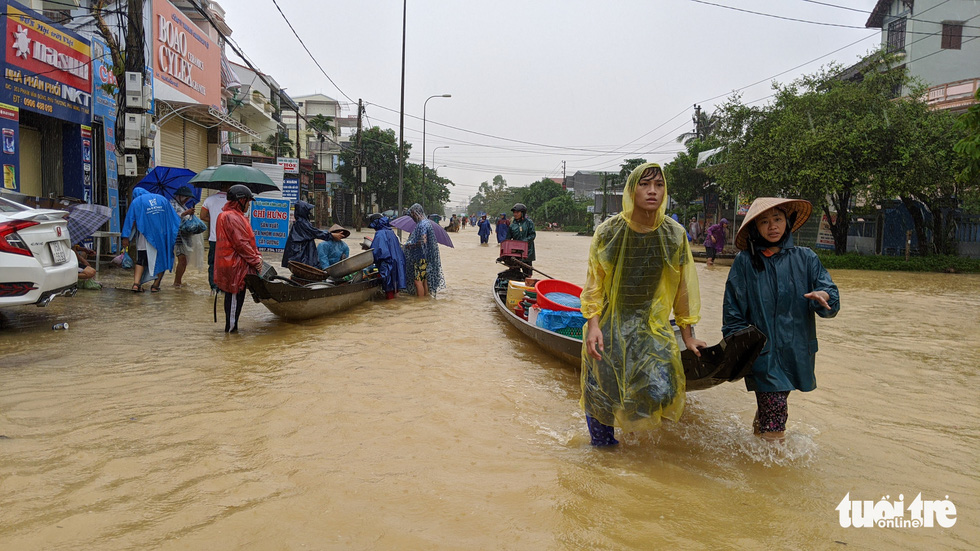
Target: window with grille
<point>952,35</point>
<point>896,35</point>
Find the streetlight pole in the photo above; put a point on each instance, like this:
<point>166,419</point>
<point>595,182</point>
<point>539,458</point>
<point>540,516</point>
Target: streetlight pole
<point>401,117</point>
<point>433,164</point>
<point>424,104</point>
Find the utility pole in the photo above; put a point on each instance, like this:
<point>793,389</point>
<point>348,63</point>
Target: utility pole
<point>135,63</point>
<point>563,186</point>
<point>697,122</point>
<point>359,171</point>
<point>605,195</point>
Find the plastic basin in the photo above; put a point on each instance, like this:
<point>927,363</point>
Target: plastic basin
<point>545,286</point>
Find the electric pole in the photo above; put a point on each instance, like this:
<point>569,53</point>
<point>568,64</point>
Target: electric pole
<point>358,165</point>
<point>697,123</point>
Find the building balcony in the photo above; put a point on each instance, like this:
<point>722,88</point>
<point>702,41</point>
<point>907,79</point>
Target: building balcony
<point>953,96</point>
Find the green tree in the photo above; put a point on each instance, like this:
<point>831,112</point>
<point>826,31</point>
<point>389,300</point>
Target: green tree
<point>492,197</point>
<point>538,196</point>
<point>275,145</point>
<point>687,183</point>
<point>822,137</point>
<point>969,147</point>
<point>379,156</point>
<point>322,125</point>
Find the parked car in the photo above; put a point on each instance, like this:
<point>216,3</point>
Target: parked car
<point>36,259</point>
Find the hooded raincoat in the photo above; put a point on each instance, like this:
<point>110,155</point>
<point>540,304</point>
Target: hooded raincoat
<point>422,246</point>
<point>503,229</point>
<point>484,232</point>
<point>772,300</point>
<point>523,230</point>
<point>152,216</point>
<point>388,255</point>
<point>637,275</point>
<point>299,244</point>
<point>714,237</point>
<point>236,253</point>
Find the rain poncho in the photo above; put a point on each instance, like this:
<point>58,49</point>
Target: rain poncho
<point>153,217</point>
<point>388,255</point>
<point>331,252</point>
<point>300,245</point>
<point>503,229</point>
<point>714,237</point>
<point>523,230</point>
<point>484,232</point>
<point>422,245</point>
<point>772,300</point>
<point>236,253</point>
<point>637,275</point>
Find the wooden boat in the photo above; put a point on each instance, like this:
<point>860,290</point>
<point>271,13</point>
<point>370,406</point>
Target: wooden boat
<point>293,301</point>
<point>728,361</point>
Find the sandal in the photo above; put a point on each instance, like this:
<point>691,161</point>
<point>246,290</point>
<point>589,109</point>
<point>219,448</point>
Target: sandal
<point>137,288</point>
<point>154,288</point>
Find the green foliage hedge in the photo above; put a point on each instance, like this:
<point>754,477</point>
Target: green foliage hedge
<point>938,263</point>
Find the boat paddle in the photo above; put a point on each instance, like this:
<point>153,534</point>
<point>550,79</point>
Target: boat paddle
<point>518,262</point>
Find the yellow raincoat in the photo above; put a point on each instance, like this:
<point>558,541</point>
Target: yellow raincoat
<point>637,275</point>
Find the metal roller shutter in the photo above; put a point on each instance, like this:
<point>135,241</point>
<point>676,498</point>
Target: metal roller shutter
<point>195,147</point>
<point>172,143</point>
<point>183,144</point>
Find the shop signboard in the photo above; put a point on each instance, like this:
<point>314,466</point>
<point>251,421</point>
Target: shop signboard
<point>9,126</point>
<point>184,57</point>
<point>104,109</point>
<point>290,189</point>
<point>290,165</point>
<point>270,223</point>
<point>47,68</point>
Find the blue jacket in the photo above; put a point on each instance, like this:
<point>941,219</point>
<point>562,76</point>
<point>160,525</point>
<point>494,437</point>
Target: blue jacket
<point>331,252</point>
<point>772,300</point>
<point>388,255</point>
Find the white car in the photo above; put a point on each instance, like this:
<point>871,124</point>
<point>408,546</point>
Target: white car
<point>36,259</point>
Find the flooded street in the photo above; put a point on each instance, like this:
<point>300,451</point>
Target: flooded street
<point>432,424</point>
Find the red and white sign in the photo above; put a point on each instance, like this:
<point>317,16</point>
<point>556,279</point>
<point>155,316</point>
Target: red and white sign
<point>825,239</point>
<point>184,57</point>
<point>290,165</point>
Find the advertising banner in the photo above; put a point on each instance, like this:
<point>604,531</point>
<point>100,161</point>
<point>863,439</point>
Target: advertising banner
<point>10,127</point>
<point>47,68</point>
<point>290,189</point>
<point>270,223</point>
<point>184,58</point>
<point>825,239</point>
<point>104,109</point>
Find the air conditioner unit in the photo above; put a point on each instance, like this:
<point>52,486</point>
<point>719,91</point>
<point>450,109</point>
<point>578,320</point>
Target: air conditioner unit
<point>130,165</point>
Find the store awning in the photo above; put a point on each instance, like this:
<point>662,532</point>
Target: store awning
<point>203,115</point>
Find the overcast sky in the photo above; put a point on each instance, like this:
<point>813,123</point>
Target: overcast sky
<point>538,82</point>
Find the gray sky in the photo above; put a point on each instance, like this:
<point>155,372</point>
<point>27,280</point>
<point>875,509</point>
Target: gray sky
<point>538,82</point>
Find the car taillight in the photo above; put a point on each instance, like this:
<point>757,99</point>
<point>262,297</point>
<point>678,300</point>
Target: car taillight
<point>16,289</point>
<point>10,242</point>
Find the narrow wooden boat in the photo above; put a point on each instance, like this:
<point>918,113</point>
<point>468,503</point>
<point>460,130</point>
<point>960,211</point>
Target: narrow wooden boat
<point>727,361</point>
<point>292,301</point>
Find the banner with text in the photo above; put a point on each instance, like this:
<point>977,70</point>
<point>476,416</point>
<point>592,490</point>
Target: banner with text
<point>270,223</point>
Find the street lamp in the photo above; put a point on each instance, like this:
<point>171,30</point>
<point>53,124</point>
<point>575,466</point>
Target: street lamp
<point>437,149</point>
<point>424,104</point>
<point>433,164</point>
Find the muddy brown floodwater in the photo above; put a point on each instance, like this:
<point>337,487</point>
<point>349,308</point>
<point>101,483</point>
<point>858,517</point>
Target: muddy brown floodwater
<point>432,424</point>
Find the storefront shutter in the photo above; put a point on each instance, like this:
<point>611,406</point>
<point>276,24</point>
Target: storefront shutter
<point>195,147</point>
<point>172,143</point>
<point>30,162</point>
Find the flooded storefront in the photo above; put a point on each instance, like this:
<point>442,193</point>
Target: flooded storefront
<point>432,424</point>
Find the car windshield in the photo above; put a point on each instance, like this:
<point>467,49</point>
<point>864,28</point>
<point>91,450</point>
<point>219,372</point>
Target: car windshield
<point>6,205</point>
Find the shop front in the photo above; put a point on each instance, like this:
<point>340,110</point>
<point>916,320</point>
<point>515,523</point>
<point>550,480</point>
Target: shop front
<point>45,109</point>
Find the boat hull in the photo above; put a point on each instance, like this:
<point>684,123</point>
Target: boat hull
<point>566,349</point>
<point>300,303</point>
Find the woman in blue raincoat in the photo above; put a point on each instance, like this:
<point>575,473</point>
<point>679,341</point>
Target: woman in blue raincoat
<point>484,232</point>
<point>640,269</point>
<point>153,224</point>
<point>778,287</point>
<point>300,244</point>
<point>503,228</point>
<point>388,256</point>
<point>422,262</point>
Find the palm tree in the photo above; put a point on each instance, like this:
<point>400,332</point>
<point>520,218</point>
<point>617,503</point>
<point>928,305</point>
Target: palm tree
<point>279,144</point>
<point>704,126</point>
<point>322,125</point>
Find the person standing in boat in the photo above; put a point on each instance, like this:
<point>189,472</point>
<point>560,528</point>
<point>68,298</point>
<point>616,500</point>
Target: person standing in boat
<point>333,250</point>
<point>714,240</point>
<point>522,229</point>
<point>778,287</point>
<point>503,228</point>
<point>640,268</point>
<point>484,232</point>
<point>422,261</point>
<point>300,244</point>
<point>388,256</point>
<point>236,254</point>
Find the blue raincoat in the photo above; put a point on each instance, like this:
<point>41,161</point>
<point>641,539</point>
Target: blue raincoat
<point>388,255</point>
<point>503,229</point>
<point>331,252</point>
<point>772,300</point>
<point>153,217</point>
<point>300,245</point>
<point>484,232</point>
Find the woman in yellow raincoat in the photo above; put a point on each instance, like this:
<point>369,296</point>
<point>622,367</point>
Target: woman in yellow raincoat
<point>640,268</point>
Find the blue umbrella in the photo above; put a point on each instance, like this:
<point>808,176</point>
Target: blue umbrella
<point>166,180</point>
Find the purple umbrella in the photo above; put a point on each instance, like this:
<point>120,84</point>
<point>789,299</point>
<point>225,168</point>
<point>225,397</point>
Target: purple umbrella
<point>407,223</point>
<point>84,219</point>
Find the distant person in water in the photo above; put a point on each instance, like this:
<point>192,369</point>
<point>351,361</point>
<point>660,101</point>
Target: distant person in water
<point>503,228</point>
<point>714,240</point>
<point>388,256</point>
<point>484,232</point>
<point>778,287</point>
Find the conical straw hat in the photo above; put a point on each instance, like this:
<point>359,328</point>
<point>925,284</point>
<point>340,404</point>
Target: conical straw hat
<point>801,207</point>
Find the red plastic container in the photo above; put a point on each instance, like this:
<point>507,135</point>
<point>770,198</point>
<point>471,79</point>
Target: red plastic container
<point>514,248</point>
<point>545,286</point>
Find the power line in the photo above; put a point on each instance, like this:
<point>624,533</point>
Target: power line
<point>778,16</point>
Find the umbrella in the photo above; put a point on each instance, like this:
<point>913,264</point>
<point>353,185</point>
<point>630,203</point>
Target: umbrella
<point>166,180</point>
<point>407,223</point>
<point>214,177</point>
<point>84,219</point>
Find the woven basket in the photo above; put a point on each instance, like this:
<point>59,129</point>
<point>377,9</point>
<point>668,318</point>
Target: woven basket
<point>573,332</point>
<point>306,271</point>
